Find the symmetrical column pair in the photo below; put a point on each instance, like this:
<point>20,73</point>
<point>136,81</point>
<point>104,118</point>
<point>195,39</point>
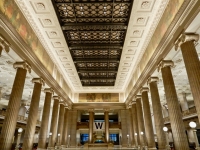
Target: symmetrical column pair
<point>91,121</point>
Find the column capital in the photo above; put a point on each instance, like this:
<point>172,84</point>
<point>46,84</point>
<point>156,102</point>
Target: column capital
<point>62,102</point>
<point>49,90</point>
<point>129,105</point>
<point>106,109</point>
<point>152,79</point>
<point>91,110</point>
<point>23,65</point>
<point>4,44</point>
<point>144,89</point>
<point>165,63</point>
<point>184,38</point>
<point>137,97</point>
<point>56,98</point>
<point>38,80</point>
<point>66,106</point>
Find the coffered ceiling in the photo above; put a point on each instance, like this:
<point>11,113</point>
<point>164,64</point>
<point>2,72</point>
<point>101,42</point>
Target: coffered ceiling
<point>95,33</point>
<point>93,43</point>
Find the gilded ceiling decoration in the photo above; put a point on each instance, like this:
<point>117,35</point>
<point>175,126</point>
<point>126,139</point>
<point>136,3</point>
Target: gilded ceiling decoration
<point>95,32</point>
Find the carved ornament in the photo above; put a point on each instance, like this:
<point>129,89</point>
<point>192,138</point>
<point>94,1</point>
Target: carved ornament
<point>144,89</point>
<point>38,80</point>
<point>49,90</point>
<point>56,98</point>
<point>184,38</point>
<point>23,65</point>
<point>4,44</point>
<point>165,63</point>
<point>152,79</point>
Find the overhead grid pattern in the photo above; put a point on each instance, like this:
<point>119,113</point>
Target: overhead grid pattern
<point>95,32</point>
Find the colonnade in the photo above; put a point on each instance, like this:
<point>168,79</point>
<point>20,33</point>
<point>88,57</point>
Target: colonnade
<point>10,120</point>
<point>143,127</point>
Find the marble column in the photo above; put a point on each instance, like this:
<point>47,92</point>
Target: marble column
<point>65,127</point>
<point>91,121</point>
<point>148,120</point>
<point>140,120</point>
<point>131,134</point>
<point>106,118</point>
<point>4,45</point>
<point>45,119</point>
<point>54,122</point>
<point>32,117</point>
<point>10,121</point>
<point>135,124</point>
<point>183,102</point>
<point>165,112</point>
<point>192,65</point>
<point>175,115</point>
<point>157,111</point>
<point>60,123</point>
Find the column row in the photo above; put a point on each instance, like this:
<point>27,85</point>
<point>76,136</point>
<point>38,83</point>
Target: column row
<point>10,121</point>
<point>142,108</point>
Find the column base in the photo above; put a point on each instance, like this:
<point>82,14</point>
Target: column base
<point>50,148</point>
<point>168,147</point>
<point>152,148</point>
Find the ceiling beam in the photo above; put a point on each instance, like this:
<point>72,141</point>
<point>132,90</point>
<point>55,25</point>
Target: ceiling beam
<point>94,26</point>
<point>95,70</point>
<point>90,46</point>
<point>97,78</point>
<point>99,84</point>
<point>79,60</point>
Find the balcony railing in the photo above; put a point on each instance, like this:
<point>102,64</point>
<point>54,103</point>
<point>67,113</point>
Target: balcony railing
<point>20,118</point>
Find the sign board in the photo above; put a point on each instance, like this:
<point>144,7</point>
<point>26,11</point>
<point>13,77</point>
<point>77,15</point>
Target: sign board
<point>99,126</point>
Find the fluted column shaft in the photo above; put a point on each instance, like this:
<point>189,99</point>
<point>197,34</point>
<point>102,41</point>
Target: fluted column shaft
<point>61,122</point>
<point>106,116</point>
<point>148,120</point>
<point>140,122</point>
<point>45,121</point>
<point>131,135</point>
<point>158,117</point>
<point>32,118</point>
<point>175,116</point>
<point>10,121</point>
<point>192,66</point>
<point>54,124</point>
<point>91,120</point>
<point>135,124</point>
<point>65,127</point>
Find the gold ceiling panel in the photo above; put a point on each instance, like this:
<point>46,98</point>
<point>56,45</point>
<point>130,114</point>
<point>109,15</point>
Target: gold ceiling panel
<point>95,31</point>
